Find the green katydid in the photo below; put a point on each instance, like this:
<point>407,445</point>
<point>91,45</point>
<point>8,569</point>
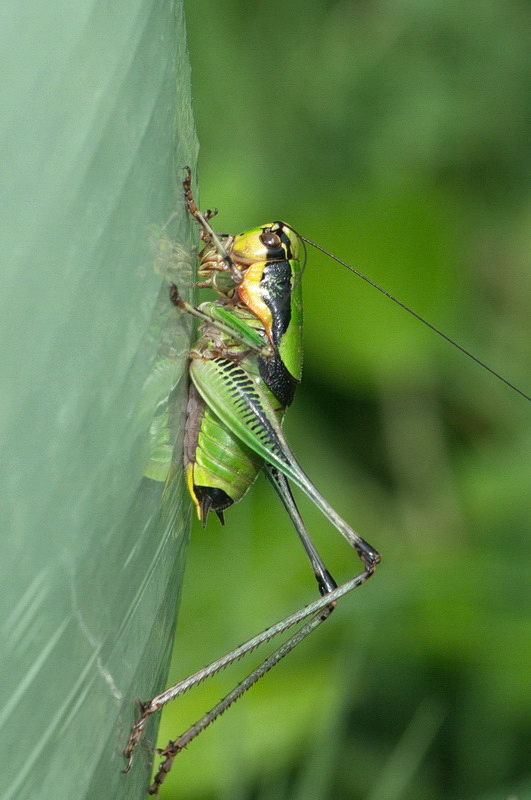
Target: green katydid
<point>244,370</point>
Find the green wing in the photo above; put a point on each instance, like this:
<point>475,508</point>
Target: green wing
<point>242,406</point>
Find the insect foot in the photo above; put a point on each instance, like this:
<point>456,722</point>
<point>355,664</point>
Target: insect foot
<point>135,735</point>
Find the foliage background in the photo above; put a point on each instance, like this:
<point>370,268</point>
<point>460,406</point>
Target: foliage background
<point>396,134</point>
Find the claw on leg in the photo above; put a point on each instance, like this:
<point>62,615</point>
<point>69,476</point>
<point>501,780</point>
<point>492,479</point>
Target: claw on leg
<point>135,735</point>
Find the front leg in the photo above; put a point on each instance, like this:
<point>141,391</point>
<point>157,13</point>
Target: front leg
<point>208,234</point>
<point>225,322</point>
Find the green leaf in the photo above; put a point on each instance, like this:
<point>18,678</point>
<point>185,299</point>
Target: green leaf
<point>96,127</point>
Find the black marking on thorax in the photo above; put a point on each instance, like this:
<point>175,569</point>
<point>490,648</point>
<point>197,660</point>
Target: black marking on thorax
<point>276,286</point>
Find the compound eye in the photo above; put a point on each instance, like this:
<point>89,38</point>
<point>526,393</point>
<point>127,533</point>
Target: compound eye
<point>270,240</point>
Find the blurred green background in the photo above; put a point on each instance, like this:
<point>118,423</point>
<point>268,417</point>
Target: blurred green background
<point>395,134</point>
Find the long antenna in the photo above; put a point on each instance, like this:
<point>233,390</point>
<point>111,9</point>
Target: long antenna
<point>418,316</point>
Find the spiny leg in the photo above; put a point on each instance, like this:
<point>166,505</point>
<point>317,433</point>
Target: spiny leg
<point>319,610</point>
<point>173,748</point>
<point>327,587</point>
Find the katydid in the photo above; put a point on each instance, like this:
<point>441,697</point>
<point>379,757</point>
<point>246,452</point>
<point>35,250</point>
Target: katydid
<point>244,370</point>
